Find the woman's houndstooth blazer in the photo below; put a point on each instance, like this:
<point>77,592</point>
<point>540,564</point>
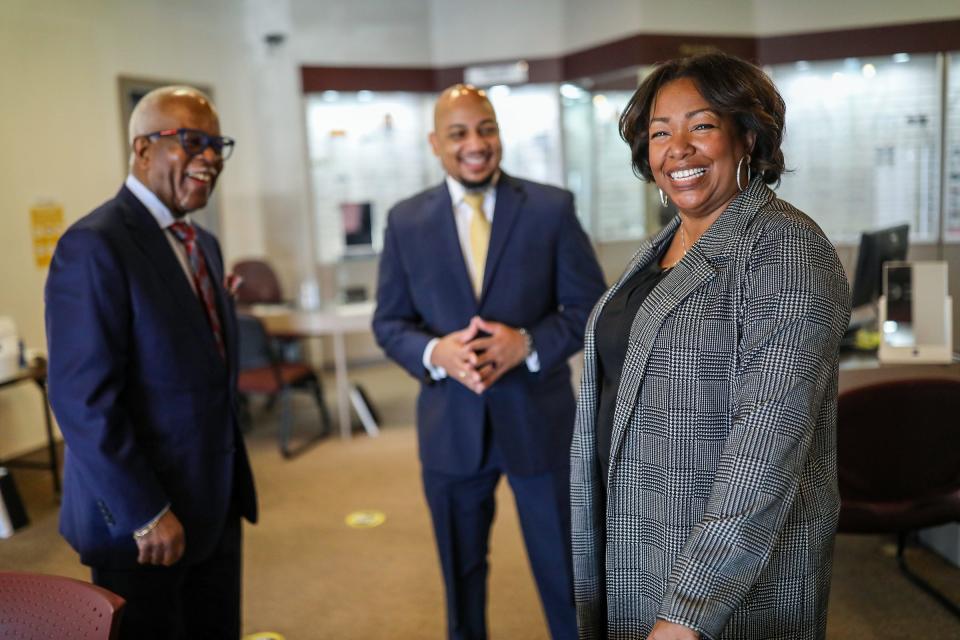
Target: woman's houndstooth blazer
<point>722,502</point>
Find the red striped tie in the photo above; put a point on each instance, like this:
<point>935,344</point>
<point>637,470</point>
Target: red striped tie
<point>186,234</point>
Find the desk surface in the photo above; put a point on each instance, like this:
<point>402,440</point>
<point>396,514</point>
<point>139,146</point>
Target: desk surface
<point>334,321</point>
<point>287,322</point>
<point>35,373</point>
<point>859,369</point>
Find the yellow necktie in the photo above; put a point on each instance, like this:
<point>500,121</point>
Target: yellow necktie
<point>479,238</point>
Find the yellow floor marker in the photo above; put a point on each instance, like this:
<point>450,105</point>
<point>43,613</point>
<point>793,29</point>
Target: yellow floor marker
<point>366,519</point>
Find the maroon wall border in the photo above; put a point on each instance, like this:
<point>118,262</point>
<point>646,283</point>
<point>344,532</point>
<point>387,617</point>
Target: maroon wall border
<point>315,79</point>
<point>923,37</point>
<point>644,49</point>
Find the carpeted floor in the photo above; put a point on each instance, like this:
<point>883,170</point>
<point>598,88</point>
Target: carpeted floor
<point>309,576</point>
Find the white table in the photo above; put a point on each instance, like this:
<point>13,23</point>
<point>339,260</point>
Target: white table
<point>335,321</point>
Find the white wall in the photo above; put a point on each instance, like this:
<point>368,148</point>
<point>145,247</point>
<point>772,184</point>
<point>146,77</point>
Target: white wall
<point>361,32</point>
<point>465,32</point>
<point>469,32</point>
<point>273,73</point>
<point>59,62</point>
<point>775,17</point>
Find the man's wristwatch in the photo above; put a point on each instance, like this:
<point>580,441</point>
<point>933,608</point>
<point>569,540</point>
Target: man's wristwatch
<point>528,342</point>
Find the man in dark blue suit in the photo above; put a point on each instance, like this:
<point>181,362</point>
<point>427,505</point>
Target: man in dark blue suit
<point>485,285</point>
<point>143,350</point>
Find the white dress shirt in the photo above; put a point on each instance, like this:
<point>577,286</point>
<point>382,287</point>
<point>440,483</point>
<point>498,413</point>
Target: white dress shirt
<point>462,212</point>
<point>164,218</point>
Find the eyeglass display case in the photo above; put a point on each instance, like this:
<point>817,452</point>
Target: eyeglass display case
<point>868,144</point>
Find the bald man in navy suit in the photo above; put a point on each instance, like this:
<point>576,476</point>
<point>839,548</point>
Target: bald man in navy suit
<point>484,289</point>
<point>143,371</point>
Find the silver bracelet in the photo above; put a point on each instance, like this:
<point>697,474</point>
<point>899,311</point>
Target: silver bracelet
<point>528,341</point>
<point>150,526</point>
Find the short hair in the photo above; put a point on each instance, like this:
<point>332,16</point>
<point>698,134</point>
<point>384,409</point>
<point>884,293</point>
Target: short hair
<point>733,87</point>
<point>145,106</point>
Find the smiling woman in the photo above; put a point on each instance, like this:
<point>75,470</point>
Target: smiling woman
<point>703,462</point>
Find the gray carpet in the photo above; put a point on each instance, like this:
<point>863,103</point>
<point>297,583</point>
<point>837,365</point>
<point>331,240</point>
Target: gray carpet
<point>309,576</point>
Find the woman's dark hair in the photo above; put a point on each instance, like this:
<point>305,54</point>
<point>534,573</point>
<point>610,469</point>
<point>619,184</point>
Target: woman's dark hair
<point>733,87</point>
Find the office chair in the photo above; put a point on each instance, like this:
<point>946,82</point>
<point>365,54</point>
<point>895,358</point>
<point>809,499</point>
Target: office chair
<point>260,283</point>
<point>34,605</point>
<point>898,462</point>
<point>262,372</point>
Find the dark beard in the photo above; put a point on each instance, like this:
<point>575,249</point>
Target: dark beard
<point>476,185</point>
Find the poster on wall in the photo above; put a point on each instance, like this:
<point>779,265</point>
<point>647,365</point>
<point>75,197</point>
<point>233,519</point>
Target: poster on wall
<point>46,227</point>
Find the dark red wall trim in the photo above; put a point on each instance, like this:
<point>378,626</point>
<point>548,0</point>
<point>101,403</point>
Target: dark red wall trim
<point>315,79</point>
<point>540,70</point>
<point>644,49</point>
<point>924,37</point>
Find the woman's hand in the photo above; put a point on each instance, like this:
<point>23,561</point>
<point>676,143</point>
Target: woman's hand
<point>664,630</point>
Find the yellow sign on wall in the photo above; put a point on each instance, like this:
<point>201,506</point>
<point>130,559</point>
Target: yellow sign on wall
<point>46,221</point>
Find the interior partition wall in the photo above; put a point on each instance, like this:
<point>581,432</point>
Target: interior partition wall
<point>370,148</point>
<point>871,140</point>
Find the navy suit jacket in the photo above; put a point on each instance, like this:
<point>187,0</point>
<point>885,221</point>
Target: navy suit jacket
<point>541,274</point>
<point>146,404</point>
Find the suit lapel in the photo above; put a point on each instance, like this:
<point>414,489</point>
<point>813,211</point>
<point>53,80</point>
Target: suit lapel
<point>441,232</point>
<point>701,265</point>
<point>510,199</point>
<point>647,252</point>
<point>152,240</point>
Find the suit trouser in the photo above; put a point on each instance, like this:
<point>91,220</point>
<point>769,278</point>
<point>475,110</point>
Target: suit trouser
<point>200,600</point>
<point>462,509</point>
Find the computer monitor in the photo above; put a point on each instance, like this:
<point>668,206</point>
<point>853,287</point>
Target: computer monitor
<point>876,247</point>
<point>357,227</point>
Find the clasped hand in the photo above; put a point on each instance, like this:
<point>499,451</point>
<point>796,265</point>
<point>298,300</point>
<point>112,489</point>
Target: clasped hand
<point>164,544</point>
<point>478,355</point>
<point>664,630</point>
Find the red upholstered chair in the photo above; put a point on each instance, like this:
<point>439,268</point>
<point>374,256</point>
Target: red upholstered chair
<point>34,605</point>
<point>262,372</point>
<point>260,283</point>
<point>899,461</point>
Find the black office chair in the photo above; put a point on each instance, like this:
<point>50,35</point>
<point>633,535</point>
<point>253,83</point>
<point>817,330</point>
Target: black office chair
<point>262,372</point>
<point>899,463</point>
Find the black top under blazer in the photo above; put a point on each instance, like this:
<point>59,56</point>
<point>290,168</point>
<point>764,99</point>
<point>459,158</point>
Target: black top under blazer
<point>722,503</point>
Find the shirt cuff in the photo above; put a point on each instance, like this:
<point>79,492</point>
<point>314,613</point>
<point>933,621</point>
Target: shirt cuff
<point>437,373</point>
<point>533,362</point>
